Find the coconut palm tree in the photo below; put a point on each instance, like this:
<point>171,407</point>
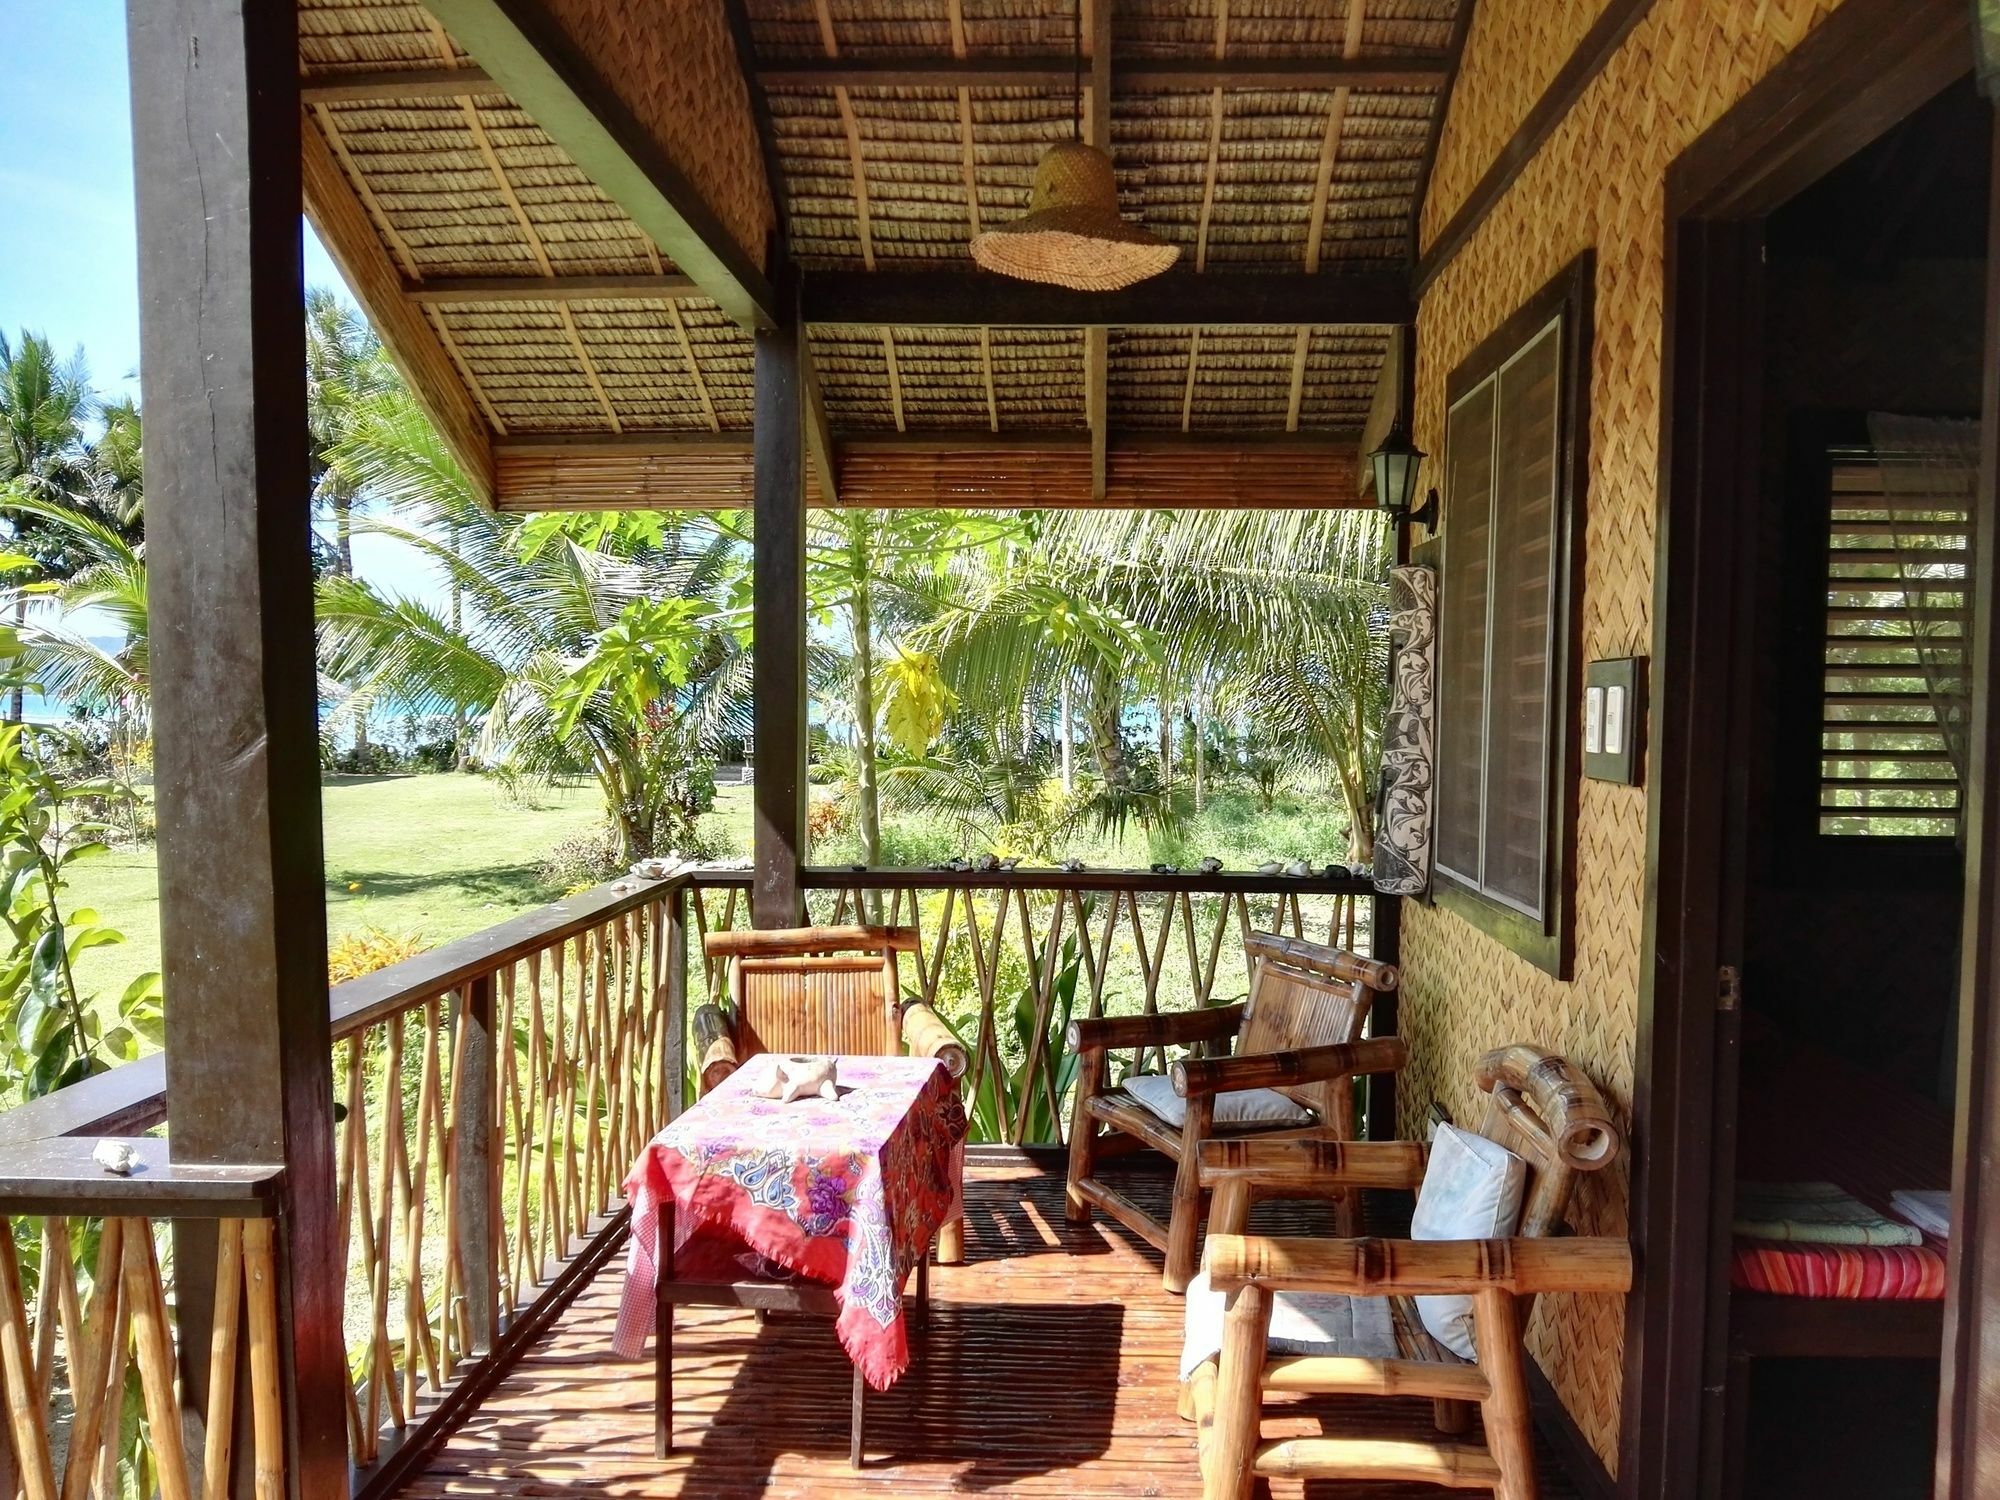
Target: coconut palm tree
<point>1274,617</point>
<point>616,650</point>
<point>345,367</point>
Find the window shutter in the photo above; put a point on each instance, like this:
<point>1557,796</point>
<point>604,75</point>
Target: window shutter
<point>1885,770</point>
<point>1461,693</point>
<point>1517,708</point>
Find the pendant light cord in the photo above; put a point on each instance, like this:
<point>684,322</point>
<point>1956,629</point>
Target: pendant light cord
<point>1076,63</point>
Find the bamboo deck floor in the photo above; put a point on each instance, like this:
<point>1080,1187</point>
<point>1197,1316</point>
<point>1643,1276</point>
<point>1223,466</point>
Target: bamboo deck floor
<point>1049,1370</point>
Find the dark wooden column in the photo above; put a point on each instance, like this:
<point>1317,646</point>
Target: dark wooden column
<point>1968,1457</point>
<point>780,618</point>
<point>215,118</point>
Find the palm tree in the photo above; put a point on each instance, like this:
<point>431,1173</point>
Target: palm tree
<point>881,573</point>
<point>612,649</point>
<point>1274,617</point>
<point>345,367</point>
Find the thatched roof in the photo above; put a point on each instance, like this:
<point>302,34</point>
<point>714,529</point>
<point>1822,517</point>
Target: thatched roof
<point>561,214</point>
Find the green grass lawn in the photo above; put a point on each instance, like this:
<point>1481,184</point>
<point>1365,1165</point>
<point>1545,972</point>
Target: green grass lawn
<point>439,856</point>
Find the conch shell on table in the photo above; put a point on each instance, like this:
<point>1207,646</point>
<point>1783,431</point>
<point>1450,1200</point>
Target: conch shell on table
<point>800,1078</point>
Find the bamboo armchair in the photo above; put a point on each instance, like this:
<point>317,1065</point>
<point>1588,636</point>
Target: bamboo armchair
<point>1538,1107</point>
<point>1298,1033</point>
<point>821,990</point>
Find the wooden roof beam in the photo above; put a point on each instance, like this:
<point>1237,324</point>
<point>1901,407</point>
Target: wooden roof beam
<point>350,237</point>
<point>444,290</point>
<point>388,85</point>
<point>1096,43</point>
<point>1128,75</point>
<point>1178,299</point>
<point>526,54</point>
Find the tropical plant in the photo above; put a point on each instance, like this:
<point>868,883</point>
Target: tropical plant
<point>51,1033</point>
<point>345,368</point>
<point>613,649</point>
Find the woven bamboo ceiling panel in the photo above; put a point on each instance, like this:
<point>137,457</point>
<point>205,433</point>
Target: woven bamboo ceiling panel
<point>468,203</point>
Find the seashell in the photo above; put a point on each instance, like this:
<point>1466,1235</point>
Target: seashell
<point>800,1078</point>
<point>115,1157</point>
<point>1209,865</point>
<point>1298,867</point>
<point>1269,867</point>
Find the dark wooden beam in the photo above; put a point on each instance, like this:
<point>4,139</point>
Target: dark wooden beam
<point>744,45</point>
<point>446,290</point>
<point>1968,1448</point>
<point>539,66</point>
<point>1599,45</point>
<point>779,621</point>
<point>1179,299</point>
<point>216,126</point>
<point>384,85</point>
<point>1052,73</point>
<point>819,434</point>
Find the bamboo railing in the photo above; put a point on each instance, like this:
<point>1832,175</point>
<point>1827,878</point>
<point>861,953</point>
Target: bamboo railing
<point>98,1323</point>
<point>1008,957</point>
<point>489,1097</point>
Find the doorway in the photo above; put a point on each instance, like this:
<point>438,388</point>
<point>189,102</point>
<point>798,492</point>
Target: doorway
<point>1748,477</point>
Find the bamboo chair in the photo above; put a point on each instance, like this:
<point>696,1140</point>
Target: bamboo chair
<point>821,990</point>
<point>1538,1107</point>
<point>1298,1032</point>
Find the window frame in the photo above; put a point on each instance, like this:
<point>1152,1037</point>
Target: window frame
<point>1545,940</point>
<point>1920,860</point>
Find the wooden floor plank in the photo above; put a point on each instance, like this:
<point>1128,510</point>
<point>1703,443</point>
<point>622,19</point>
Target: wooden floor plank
<point>1049,1370</point>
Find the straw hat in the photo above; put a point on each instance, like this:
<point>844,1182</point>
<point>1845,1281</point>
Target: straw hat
<point>1071,234</point>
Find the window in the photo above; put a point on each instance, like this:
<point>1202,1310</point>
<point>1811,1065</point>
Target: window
<point>1896,617</point>
<point>1512,477</point>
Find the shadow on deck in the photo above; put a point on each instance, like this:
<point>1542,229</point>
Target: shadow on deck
<point>1049,1369</point>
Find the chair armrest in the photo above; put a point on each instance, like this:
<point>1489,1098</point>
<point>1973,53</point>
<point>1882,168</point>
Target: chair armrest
<point>1181,1027</point>
<point>926,1035</point>
<point>714,1046</point>
<point>1267,1070</point>
<point>1309,1162</point>
<point>1382,1268</point>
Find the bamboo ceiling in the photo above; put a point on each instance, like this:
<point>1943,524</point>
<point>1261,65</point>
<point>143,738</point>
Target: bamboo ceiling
<point>568,270</point>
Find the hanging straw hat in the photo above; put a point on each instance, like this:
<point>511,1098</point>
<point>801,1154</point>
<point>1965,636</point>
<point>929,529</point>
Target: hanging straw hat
<point>1071,234</point>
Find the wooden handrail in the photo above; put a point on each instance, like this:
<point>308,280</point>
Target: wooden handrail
<point>1377,1267</point>
<point>62,1177</point>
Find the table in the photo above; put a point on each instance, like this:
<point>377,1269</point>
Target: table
<point>817,1205</point>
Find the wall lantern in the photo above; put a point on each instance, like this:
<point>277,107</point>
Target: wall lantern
<point>1396,464</point>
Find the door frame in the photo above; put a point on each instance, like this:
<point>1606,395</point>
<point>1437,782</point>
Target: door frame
<point>1868,65</point>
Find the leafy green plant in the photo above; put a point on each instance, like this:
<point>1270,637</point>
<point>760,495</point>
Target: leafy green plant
<point>53,1035</point>
<point>997,1102</point>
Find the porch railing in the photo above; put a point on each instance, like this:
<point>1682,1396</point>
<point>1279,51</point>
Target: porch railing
<point>490,1093</point>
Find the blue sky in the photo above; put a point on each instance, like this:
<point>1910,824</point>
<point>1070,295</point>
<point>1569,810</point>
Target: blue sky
<point>68,259</point>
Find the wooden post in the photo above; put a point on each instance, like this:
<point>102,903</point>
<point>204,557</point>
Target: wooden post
<point>475,1125</point>
<point>215,119</point>
<point>779,678</point>
<point>673,1056</point>
<point>1968,1451</point>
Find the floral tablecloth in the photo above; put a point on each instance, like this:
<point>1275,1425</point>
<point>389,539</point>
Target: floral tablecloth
<point>845,1192</point>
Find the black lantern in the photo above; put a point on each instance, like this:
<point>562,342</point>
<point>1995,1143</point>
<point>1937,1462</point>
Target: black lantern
<point>1396,464</point>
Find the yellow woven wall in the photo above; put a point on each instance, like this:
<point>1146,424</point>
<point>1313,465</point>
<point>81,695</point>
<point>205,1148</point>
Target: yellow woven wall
<point>1599,181</point>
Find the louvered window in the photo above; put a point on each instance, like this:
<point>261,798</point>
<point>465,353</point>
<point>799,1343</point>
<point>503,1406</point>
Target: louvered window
<point>1496,717</point>
<point>1896,616</point>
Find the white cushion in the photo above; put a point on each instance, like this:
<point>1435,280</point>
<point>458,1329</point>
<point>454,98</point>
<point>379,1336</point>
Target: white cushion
<point>1237,1107</point>
<point>1472,1191</point>
<point>1301,1323</point>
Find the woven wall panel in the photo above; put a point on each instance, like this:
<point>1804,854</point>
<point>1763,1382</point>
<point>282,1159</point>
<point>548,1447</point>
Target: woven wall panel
<point>674,66</point>
<point>1600,181</point>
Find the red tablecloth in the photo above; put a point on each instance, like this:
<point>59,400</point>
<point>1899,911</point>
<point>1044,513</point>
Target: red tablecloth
<point>844,1192</point>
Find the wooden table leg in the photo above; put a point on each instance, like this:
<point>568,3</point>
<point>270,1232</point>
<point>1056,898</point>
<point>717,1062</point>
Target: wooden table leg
<point>663,1334</point>
<point>858,1420</point>
<point>920,1315</point>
